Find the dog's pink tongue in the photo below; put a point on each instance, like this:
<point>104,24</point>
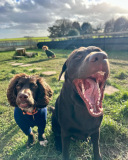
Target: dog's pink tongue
<point>23,105</point>
<point>92,93</point>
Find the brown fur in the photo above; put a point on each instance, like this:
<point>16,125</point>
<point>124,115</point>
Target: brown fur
<point>71,117</point>
<point>45,47</point>
<point>44,92</point>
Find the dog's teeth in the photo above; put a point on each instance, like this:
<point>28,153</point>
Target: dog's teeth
<point>91,110</point>
<point>98,102</point>
<point>90,104</point>
<point>83,90</point>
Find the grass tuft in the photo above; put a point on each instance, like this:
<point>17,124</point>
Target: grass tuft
<point>124,110</point>
<point>121,75</point>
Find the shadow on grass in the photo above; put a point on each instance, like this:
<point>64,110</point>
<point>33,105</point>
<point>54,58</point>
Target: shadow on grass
<point>41,60</point>
<point>36,152</point>
<point>6,60</point>
<point>7,135</point>
<point>117,63</point>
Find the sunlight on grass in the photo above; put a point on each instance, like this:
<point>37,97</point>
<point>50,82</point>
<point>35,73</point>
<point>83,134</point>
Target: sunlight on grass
<point>114,128</point>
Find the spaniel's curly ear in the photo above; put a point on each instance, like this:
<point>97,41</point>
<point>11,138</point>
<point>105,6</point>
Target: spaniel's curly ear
<point>44,93</point>
<point>11,91</point>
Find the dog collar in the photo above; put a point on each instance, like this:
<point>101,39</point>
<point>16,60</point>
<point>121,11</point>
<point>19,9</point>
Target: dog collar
<point>35,110</point>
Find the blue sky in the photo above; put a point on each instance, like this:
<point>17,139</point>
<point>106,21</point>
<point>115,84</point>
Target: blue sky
<point>19,18</point>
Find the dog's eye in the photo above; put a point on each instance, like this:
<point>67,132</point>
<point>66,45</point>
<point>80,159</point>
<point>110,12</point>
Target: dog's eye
<point>78,57</point>
<point>32,85</point>
<point>18,86</point>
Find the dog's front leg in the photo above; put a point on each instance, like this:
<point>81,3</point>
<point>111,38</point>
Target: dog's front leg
<point>65,145</point>
<point>96,149</point>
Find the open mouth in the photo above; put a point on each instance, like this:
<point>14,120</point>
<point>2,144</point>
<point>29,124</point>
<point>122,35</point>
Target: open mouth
<point>23,105</point>
<point>26,107</point>
<point>91,90</point>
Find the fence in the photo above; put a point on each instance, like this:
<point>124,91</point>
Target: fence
<point>12,45</point>
<point>114,43</point>
<point>106,41</point>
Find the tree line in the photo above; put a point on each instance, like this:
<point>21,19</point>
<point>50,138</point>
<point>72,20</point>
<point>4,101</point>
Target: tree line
<point>65,27</point>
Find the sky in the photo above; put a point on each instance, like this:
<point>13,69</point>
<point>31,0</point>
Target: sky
<point>19,18</point>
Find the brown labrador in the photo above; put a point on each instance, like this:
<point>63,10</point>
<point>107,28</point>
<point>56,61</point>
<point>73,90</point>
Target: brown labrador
<point>78,110</point>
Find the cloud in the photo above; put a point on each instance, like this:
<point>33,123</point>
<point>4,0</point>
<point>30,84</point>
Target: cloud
<point>33,17</point>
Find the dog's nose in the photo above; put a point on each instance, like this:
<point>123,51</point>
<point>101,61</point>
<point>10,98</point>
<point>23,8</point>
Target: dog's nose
<point>23,96</point>
<point>100,56</point>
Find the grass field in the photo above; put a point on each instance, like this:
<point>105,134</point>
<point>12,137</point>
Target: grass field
<point>114,128</point>
<point>21,39</point>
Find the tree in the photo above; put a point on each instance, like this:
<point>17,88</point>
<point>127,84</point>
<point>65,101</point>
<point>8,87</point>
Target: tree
<point>73,32</point>
<point>121,24</point>
<point>118,25</point>
<point>86,28</point>
<point>60,28</point>
<point>98,28</point>
<point>109,26</point>
<point>55,31</point>
<point>76,25</point>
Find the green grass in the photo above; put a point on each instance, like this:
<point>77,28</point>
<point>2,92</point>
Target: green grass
<point>31,38</point>
<point>114,128</point>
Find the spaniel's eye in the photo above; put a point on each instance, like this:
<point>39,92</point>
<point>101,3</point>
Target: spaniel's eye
<point>18,86</point>
<point>32,85</point>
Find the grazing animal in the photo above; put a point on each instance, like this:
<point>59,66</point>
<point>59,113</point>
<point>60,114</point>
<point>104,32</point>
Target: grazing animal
<point>30,95</point>
<point>78,110</point>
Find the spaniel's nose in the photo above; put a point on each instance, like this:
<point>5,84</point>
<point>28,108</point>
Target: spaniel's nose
<point>23,96</point>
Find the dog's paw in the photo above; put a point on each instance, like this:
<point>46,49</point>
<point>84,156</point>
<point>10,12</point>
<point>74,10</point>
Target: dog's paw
<point>43,143</point>
<point>31,140</point>
<point>42,140</point>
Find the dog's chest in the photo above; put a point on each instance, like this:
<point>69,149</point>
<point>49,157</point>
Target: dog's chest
<point>78,122</point>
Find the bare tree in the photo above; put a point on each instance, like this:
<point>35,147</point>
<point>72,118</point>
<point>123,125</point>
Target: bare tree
<point>98,28</point>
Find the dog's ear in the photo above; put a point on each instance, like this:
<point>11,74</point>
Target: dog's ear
<point>44,93</point>
<point>11,91</point>
<point>66,64</point>
<point>63,70</point>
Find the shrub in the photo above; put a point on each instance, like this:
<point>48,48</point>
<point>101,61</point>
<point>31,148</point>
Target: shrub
<point>73,32</point>
<point>121,75</point>
<point>13,71</point>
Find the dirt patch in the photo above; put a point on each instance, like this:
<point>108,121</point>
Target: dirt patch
<point>18,57</point>
<point>17,64</point>
<point>25,65</point>
<point>12,62</point>
<point>49,73</point>
<point>110,90</point>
